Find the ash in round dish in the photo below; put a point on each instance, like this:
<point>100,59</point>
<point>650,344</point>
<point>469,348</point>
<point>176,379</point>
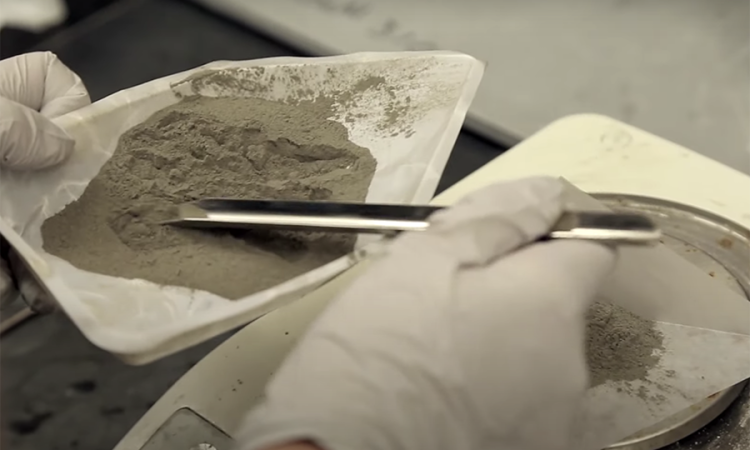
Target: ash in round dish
<point>620,346</point>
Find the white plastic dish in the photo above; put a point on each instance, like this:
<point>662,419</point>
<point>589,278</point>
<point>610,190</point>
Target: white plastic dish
<point>140,321</point>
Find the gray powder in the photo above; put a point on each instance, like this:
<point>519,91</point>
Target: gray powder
<point>213,147</point>
<point>338,98</point>
<point>620,346</point>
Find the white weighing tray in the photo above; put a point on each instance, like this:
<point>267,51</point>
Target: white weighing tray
<point>603,155</point>
<point>677,68</point>
<point>140,321</point>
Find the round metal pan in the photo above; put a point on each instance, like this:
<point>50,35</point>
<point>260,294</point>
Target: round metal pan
<point>720,248</point>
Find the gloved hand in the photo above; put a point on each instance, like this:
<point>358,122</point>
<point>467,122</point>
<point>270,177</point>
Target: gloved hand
<point>459,337</point>
<point>34,88</point>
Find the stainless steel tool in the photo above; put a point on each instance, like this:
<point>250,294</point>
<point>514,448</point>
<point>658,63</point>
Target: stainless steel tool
<point>612,228</point>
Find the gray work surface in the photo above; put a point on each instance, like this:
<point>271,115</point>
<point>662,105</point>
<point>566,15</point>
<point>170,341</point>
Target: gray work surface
<point>677,68</point>
<point>58,391</point>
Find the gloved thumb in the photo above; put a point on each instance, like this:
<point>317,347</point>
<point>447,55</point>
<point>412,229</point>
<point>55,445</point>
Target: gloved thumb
<point>492,222</point>
<point>572,273</point>
<point>40,81</point>
<point>29,140</point>
<point>34,87</point>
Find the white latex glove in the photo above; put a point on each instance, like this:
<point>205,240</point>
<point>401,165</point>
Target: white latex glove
<point>460,337</point>
<point>34,88</point>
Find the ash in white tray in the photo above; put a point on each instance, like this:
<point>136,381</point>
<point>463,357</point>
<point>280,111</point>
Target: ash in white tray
<point>213,147</point>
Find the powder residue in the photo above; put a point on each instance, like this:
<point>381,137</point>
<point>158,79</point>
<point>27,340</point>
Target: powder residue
<point>389,97</point>
<point>212,147</point>
<point>620,346</point>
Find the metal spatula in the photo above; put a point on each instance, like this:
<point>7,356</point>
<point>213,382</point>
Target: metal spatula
<point>614,228</point>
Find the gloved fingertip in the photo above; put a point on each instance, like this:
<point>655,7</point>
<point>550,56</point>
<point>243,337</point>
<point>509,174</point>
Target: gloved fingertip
<point>64,89</point>
<point>58,150</point>
<point>499,218</point>
<point>540,196</point>
<point>543,187</point>
<point>29,140</point>
<point>53,149</point>
<point>531,189</point>
<point>42,82</point>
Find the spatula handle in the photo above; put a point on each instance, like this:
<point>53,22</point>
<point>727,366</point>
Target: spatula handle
<point>612,228</point>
